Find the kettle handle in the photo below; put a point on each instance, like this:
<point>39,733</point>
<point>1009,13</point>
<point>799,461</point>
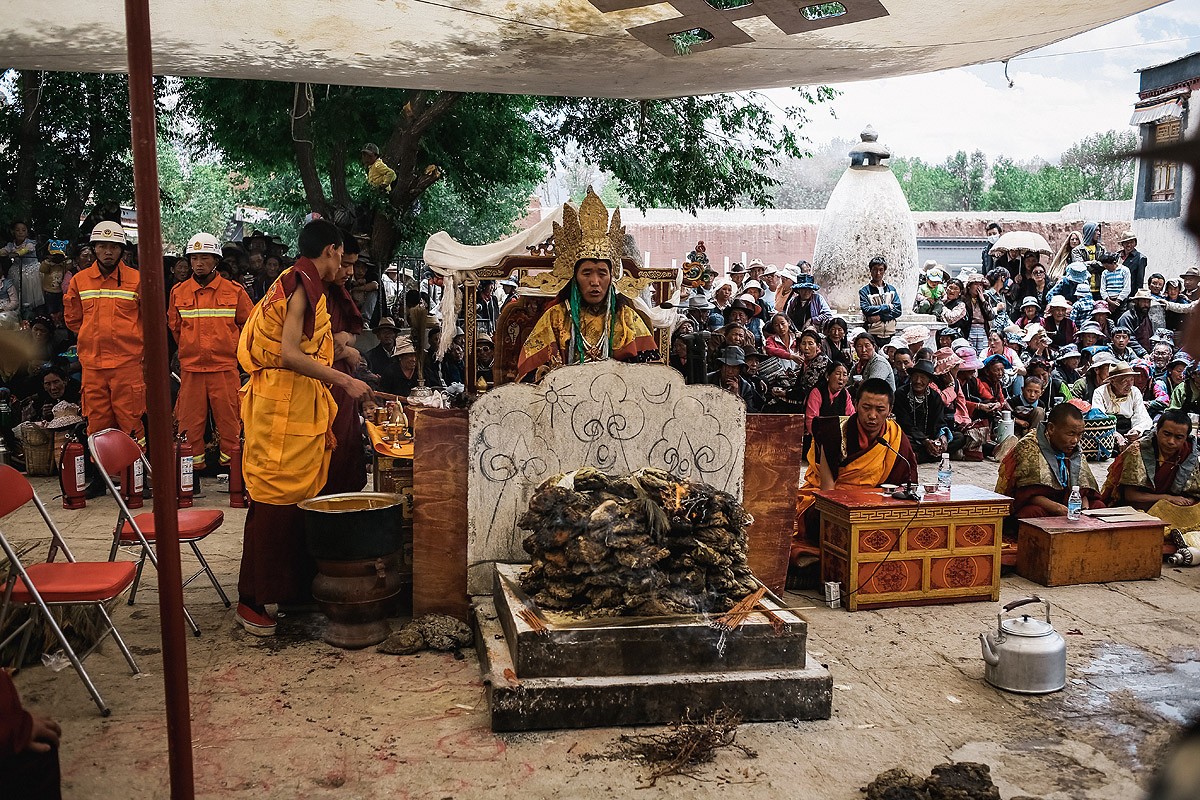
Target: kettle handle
<point>1033,598</point>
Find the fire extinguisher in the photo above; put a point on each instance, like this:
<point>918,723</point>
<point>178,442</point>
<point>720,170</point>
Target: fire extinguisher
<point>133,480</point>
<point>185,472</point>
<point>237,486</point>
<point>72,473</point>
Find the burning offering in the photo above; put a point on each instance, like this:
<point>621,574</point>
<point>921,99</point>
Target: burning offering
<point>645,544</point>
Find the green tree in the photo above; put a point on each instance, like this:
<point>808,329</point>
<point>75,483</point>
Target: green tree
<point>196,196</point>
<point>64,145</point>
<point>968,175</point>
<point>1105,177</point>
<point>927,187</point>
<point>1031,187</point>
<point>488,151</point>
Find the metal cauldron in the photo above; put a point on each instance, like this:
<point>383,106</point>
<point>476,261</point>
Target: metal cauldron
<point>357,540</point>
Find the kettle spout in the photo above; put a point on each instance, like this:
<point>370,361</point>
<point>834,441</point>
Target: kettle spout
<point>989,649</point>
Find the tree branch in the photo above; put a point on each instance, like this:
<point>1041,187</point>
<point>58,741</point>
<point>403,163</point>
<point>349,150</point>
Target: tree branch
<point>302,143</point>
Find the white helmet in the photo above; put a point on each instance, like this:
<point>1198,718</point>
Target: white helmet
<point>203,243</point>
<point>108,232</point>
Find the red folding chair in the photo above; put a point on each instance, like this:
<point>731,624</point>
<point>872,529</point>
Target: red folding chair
<point>114,452</point>
<point>65,583</point>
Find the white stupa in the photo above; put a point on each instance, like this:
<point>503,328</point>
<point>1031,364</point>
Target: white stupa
<point>867,216</point>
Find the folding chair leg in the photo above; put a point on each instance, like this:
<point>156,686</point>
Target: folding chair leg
<point>211,576</point>
<point>112,629</point>
<point>191,622</point>
<point>78,665</point>
<point>137,578</point>
<point>29,626</point>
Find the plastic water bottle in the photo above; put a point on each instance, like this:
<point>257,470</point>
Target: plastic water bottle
<point>945,474</point>
<point>1074,504</point>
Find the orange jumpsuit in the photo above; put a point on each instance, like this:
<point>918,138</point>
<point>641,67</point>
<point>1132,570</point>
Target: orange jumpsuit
<point>206,321</point>
<point>106,314</point>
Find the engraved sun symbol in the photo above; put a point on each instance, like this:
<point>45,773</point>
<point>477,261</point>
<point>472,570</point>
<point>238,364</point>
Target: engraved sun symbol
<point>553,401</point>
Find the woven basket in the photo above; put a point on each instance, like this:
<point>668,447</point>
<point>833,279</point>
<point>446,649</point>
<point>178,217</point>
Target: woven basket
<point>1099,440</point>
<point>38,443</point>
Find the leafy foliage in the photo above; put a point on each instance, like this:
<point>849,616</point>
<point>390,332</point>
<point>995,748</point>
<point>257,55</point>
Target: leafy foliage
<point>967,183</point>
<point>196,196</point>
<point>1104,177</point>
<point>75,147</point>
<point>486,153</point>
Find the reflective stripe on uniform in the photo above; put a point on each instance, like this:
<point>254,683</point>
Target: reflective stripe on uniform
<point>196,313</point>
<point>120,294</point>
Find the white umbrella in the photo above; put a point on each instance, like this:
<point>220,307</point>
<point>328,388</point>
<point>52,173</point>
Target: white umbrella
<point>1021,241</point>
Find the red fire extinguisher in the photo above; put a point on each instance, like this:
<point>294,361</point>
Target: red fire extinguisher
<point>133,481</point>
<point>237,486</point>
<point>185,472</point>
<point>72,473</point>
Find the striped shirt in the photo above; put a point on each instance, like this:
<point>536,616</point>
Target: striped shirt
<point>1115,284</point>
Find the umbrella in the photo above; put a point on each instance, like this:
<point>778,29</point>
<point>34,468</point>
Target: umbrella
<point>1021,241</point>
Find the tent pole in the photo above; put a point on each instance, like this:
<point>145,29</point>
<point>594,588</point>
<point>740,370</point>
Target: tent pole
<point>158,398</point>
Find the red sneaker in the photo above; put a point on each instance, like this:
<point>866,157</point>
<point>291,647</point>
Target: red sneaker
<point>256,623</point>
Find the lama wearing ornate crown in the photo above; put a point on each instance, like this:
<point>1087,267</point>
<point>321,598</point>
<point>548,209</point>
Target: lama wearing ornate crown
<point>590,319</point>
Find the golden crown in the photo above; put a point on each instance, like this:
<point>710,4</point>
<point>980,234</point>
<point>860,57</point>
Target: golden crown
<point>583,234</point>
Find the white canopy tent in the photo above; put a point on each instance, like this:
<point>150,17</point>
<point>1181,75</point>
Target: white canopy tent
<point>598,48</point>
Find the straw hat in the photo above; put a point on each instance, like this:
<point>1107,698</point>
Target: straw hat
<point>1119,370</point>
<point>915,334</point>
<point>1129,236</point>
<point>65,415</point>
<point>1142,294</point>
<point>404,347</point>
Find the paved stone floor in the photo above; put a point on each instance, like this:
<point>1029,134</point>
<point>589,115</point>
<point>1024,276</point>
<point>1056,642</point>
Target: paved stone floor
<point>295,718</point>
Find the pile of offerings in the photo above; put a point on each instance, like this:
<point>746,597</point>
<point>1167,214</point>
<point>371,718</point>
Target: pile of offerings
<point>646,544</point>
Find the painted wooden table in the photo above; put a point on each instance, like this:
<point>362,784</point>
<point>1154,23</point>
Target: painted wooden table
<point>885,552</point>
<point>1056,551</point>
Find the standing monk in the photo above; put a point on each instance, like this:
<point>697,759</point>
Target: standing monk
<point>287,348</point>
<point>347,465</point>
<point>206,315</point>
<point>103,308</point>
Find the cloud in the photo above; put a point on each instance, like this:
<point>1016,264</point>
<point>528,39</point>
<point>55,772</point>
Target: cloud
<point>1061,93</point>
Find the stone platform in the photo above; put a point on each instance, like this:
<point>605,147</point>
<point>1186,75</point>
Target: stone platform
<point>619,671</point>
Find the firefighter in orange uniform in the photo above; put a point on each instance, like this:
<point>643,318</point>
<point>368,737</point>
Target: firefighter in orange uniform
<point>103,308</point>
<point>206,315</point>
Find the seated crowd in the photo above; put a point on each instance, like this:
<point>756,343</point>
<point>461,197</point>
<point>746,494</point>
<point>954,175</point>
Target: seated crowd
<point>1011,341</point>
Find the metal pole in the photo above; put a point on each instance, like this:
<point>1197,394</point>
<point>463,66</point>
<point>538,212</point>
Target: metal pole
<point>158,398</point>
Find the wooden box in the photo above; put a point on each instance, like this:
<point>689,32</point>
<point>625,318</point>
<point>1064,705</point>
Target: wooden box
<point>885,552</point>
<point>1056,551</point>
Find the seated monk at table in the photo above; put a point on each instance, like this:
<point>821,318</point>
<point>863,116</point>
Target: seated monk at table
<point>1158,467</point>
<point>854,452</point>
<point>589,320</point>
<point>1041,468</point>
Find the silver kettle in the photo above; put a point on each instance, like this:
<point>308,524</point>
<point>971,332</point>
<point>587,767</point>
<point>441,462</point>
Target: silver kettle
<point>1025,655</point>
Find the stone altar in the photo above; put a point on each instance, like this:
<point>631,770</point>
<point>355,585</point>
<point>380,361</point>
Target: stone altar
<point>612,416</point>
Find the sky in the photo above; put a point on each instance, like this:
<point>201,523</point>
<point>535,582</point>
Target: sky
<point>1061,93</point>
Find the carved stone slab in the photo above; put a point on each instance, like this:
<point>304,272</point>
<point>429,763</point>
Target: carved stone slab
<point>611,416</point>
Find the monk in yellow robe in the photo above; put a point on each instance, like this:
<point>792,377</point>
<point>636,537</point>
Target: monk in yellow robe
<point>589,321</point>
<point>850,453</point>
<point>287,411</point>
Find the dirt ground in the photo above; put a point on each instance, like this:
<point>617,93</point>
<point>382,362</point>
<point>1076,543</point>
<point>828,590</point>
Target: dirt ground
<point>292,717</point>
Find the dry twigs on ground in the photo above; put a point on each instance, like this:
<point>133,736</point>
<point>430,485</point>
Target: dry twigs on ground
<point>683,747</point>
